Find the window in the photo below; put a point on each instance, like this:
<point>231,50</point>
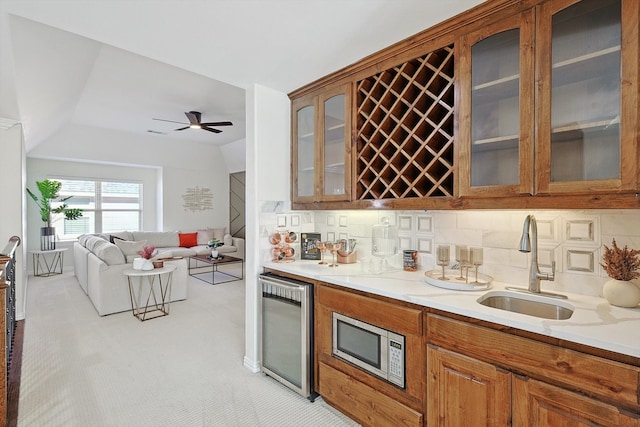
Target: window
<point>107,206</point>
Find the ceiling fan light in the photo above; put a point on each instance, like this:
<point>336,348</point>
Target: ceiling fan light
<point>195,126</point>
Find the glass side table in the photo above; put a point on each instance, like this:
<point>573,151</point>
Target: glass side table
<point>150,291</point>
<point>48,263</point>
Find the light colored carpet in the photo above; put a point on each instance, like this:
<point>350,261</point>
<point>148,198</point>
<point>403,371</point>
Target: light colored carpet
<point>185,369</point>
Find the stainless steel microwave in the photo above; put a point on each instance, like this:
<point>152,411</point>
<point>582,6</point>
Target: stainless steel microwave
<point>373,349</point>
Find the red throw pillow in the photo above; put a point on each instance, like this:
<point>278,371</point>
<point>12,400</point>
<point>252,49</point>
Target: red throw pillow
<point>188,240</point>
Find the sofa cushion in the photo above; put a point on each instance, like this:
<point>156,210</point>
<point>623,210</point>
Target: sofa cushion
<point>188,240</point>
<point>130,249</point>
<point>228,240</point>
<point>90,241</point>
<point>204,236</point>
<point>218,233</point>
<point>108,252</point>
<point>159,239</point>
<point>185,252</point>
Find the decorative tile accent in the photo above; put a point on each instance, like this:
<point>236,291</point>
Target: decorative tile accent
<point>342,236</point>
<point>578,260</point>
<point>331,236</point>
<point>331,220</point>
<point>546,257</point>
<point>547,229</point>
<point>281,220</point>
<point>295,220</point>
<point>342,221</point>
<point>404,222</point>
<point>580,230</point>
<point>406,243</point>
<point>425,224</point>
<point>425,245</point>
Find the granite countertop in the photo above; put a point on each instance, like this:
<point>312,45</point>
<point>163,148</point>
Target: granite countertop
<point>594,322</point>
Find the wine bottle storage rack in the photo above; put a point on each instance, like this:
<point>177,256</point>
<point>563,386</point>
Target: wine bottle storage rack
<point>405,129</point>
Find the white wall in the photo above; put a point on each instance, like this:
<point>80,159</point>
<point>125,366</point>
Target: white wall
<point>235,154</point>
<point>267,176</point>
<point>12,217</point>
<point>182,165</point>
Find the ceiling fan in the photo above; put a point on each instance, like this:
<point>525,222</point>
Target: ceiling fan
<point>195,122</point>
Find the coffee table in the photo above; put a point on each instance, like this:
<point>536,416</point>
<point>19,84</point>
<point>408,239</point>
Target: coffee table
<point>195,264</point>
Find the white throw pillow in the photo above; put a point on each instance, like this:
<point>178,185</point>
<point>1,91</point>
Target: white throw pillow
<point>130,248</point>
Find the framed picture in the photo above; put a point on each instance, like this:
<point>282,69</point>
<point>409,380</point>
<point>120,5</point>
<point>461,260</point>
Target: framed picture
<point>308,249</point>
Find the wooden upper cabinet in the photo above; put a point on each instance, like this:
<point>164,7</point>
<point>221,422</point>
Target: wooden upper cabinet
<point>587,59</point>
<point>405,130</point>
<point>549,101</point>
<point>321,148</point>
<point>496,108</point>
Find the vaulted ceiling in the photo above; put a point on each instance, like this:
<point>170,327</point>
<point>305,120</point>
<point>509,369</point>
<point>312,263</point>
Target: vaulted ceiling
<point>118,64</point>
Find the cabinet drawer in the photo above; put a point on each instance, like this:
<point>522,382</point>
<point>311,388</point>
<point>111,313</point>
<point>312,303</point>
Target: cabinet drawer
<point>605,379</point>
<point>396,318</point>
<point>363,403</point>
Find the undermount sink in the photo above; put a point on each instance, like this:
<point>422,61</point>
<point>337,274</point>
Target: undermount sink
<point>529,304</point>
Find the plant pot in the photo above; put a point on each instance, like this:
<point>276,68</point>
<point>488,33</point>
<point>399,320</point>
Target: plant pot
<point>47,238</point>
<point>137,263</point>
<point>214,253</point>
<point>147,265</point>
<point>621,293</point>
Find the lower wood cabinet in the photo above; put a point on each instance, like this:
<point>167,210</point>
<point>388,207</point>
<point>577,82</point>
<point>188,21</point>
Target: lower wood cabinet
<point>483,376</point>
<point>539,404</point>
<point>363,403</point>
<point>370,400</point>
<point>462,371</point>
<point>462,391</point>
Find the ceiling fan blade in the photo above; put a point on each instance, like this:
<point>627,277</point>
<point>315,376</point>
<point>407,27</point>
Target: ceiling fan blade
<point>217,124</point>
<point>194,117</point>
<point>170,121</point>
<point>186,127</point>
<point>211,130</point>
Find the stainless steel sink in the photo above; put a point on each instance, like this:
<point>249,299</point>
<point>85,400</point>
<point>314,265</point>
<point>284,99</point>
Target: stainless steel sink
<point>529,304</point>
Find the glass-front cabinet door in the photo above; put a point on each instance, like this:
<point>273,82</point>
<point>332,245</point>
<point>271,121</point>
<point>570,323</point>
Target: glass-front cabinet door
<point>496,109</point>
<point>335,147</point>
<point>587,136</point>
<point>304,149</point>
<point>321,153</point>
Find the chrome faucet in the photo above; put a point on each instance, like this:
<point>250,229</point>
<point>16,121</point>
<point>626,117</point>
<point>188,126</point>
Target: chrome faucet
<point>535,276</point>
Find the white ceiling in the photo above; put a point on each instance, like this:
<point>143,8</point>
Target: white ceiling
<point>117,64</point>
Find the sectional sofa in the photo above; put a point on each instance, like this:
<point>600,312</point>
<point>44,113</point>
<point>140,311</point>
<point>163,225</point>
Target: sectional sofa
<point>100,260</point>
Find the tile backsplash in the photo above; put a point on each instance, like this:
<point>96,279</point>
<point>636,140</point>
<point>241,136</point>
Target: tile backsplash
<point>574,239</point>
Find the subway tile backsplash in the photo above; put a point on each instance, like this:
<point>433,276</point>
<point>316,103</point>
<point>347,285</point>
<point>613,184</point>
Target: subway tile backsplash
<point>573,239</point>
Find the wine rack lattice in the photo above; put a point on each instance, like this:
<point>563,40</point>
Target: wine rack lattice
<point>405,129</point>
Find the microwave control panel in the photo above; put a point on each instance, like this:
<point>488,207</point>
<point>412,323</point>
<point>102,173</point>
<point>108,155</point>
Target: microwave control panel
<point>396,359</point>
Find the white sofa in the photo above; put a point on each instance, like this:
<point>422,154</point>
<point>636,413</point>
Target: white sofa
<point>99,263</point>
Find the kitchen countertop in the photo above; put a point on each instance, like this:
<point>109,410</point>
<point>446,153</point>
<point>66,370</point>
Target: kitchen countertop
<point>594,322</point>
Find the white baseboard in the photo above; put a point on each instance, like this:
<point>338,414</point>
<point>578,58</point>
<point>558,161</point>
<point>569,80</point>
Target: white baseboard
<point>252,365</point>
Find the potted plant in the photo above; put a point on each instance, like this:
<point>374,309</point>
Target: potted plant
<point>622,265</point>
<point>214,244</point>
<point>50,197</point>
<point>146,255</point>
